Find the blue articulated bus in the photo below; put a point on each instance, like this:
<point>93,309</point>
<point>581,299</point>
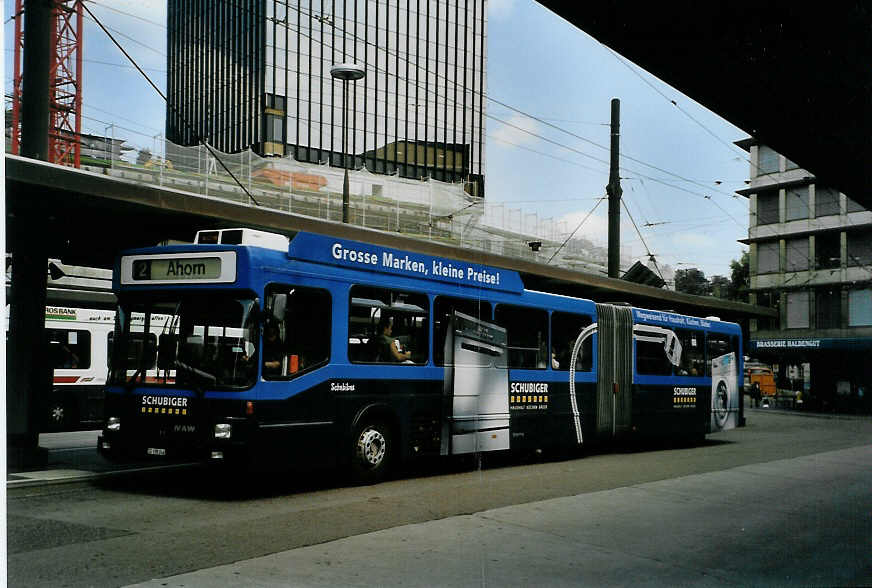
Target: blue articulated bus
<point>328,350</point>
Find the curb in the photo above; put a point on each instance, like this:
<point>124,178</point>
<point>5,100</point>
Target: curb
<point>58,477</point>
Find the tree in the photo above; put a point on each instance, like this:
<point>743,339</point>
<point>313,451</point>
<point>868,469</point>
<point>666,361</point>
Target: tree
<point>692,281</point>
<point>721,287</point>
<point>740,278</point>
<point>143,156</point>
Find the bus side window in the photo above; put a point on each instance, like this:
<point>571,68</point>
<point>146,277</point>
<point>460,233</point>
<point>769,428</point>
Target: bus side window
<point>373,310</point>
<point>716,346</point>
<point>303,341</point>
<point>71,349</point>
<point>527,333</point>
<point>565,328</point>
<point>651,359</point>
<point>692,354</point>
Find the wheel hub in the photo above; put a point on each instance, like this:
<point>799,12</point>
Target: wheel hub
<point>371,447</point>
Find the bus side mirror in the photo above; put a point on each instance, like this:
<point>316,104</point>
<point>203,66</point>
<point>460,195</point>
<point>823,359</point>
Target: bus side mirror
<point>279,305</point>
<point>166,351</point>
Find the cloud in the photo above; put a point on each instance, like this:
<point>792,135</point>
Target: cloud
<point>514,136</point>
<point>694,242</point>
<point>500,9</point>
<point>595,228</point>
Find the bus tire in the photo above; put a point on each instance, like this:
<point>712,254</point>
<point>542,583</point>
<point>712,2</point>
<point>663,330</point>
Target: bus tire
<point>372,451</point>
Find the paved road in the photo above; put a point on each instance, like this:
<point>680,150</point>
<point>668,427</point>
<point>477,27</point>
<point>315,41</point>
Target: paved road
<point>126,530</point>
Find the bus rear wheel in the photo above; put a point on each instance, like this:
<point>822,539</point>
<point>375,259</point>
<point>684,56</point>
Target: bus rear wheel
<point>372,452</point>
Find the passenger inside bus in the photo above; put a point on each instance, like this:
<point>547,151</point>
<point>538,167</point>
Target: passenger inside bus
<point>388,347</point>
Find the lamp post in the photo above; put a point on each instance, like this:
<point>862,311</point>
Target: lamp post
<point>347,72</point>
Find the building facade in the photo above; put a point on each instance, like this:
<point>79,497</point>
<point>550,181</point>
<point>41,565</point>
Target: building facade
<point>256,73</point>
<point>811,258</point>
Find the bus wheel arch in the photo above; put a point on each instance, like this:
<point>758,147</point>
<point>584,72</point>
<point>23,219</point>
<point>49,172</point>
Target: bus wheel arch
<point>373,446</point>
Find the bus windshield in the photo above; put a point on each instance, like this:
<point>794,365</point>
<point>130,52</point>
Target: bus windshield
<point>197,340</point>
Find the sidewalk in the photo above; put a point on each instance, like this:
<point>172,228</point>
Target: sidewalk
<point>73,457</point>
<point>742,526</point>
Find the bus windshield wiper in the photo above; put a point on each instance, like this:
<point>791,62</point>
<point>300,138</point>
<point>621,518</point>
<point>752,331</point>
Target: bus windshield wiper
<point>204,377</point>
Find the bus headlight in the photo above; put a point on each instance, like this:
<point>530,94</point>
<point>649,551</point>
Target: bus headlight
<point>223,430</point>
<point>113,424</point>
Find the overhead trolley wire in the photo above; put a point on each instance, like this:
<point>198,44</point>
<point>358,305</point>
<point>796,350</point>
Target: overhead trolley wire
<point>161,94</point>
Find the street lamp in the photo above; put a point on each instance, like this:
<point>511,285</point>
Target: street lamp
<point>347,72</point>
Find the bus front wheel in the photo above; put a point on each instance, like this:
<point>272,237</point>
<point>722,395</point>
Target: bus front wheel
<point>372,451</point>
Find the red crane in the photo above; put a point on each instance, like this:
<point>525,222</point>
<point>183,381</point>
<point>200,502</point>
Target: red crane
<point>65,82</point>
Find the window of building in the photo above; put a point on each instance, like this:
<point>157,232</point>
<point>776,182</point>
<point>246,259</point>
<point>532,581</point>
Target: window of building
<point>828,250</point>
<point>565,328</point>
<point>767,257</point>
<point>826,201</point>
<point>797,310</point>
<point>275,128</point>
<point>767,161</point>
<point>527,332</point>
<point>790,164</point>
<point>768,299</point>
<point>860,308</point>
<point>443,309</point>
<point>853,206</point>
<point>299,341</point>
<point>71,349</point>
<point>859,248</point>
<point>828,308</point>
<point>379,317</point>
<point>796,203</point>
<point>797,254</point>
<point>767,207</point>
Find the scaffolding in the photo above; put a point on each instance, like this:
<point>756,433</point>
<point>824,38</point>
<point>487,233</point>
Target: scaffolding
<point>426,209</point>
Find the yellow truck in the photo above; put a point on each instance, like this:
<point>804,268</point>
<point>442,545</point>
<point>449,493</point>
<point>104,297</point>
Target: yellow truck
<point>760,383</point>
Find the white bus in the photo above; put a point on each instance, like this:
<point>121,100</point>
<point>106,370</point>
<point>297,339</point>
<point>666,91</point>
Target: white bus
<point>78,340</point>
<point>80,344</point>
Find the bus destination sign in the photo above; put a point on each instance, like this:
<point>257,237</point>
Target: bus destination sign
<point>200,268</point>
<point>218,266</point>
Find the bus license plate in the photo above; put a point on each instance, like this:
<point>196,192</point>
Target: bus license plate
<point>156,451</point>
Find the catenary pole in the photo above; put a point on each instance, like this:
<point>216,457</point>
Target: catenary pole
<point>613,189</point>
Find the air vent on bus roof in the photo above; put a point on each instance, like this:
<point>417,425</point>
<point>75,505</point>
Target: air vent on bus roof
<point>243,237</point>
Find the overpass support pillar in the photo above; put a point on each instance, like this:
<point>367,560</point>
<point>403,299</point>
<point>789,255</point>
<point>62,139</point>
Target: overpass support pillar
<point>28,365</point>
<point>28,370</point>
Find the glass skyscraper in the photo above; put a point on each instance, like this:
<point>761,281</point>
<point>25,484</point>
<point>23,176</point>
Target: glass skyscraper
<point>256,73</point>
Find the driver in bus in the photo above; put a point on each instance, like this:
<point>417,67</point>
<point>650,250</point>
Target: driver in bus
<point>389,348</point>
<point>272,350</point>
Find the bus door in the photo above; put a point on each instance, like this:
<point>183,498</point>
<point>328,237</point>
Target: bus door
<point>614,400</point>
<point>475,389</point>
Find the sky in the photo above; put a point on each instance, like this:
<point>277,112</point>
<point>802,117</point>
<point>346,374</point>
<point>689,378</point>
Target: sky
<point>679,167</point>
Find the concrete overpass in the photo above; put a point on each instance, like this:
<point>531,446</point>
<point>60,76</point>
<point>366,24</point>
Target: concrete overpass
<point>88,217</point>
